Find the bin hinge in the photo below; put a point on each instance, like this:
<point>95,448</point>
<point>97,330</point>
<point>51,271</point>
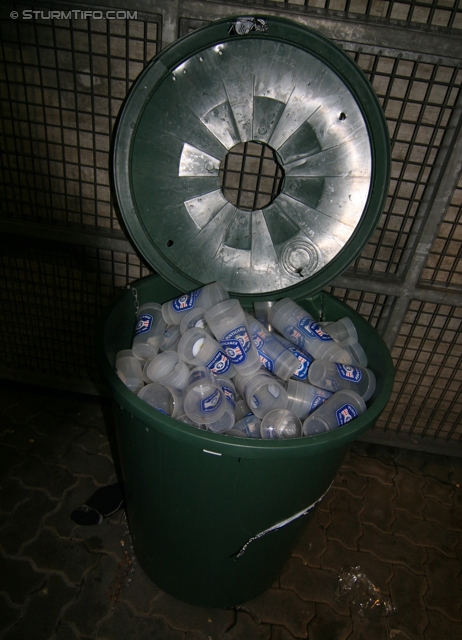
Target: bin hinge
<point>244,25</point>
<point>279,525</point>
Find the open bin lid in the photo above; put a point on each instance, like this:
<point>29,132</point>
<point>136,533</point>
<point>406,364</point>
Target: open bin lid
<point>271,81</point>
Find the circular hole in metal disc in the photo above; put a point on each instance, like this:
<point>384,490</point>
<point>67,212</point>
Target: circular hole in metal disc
<point>251,176</point>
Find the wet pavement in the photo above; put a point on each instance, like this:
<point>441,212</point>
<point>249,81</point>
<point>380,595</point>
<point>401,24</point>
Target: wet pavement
<point>394,513</point>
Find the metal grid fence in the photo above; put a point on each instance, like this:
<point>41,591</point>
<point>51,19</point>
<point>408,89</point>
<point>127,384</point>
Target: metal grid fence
<point>64,82</point>
<point>437,14</point>
<point>64,255</point>
<point>444,265</point>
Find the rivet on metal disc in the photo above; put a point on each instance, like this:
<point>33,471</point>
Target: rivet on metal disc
<point>262,130</point>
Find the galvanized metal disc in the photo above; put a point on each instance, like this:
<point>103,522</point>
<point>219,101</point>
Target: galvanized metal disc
<point>185,118</point>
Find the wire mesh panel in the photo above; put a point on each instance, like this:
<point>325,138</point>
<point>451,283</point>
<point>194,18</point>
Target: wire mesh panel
<point>427,396</point>
<point>444,265</point>
<point>439,14</point>
<point>53,296</point>
<point>418,98</point>
<point>62,83</point>
<point>371,306</point>
<point>250,176</point>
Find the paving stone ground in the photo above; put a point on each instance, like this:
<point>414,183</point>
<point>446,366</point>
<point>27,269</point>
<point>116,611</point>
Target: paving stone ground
<point>395,514</point>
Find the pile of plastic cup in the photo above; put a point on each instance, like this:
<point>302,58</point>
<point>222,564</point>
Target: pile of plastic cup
<point>203,360</point>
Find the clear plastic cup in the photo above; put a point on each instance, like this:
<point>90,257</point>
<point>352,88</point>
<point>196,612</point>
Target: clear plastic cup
<point>229,390</point>
<point>171,338</point>
<point>356,351</point>
<point>185,420</point>
<point>241,410</point>
<point>129,370</point>
<point>334,376</point>
<point>249,425</point>
<point>274,356</point>
<point>224,423</point>
<point>198,348</point>
<point>304,398</point>
<point>165,399</point>
<point>342,329</point>
<point>192,319</point>
<point>263,393</point>
<point>205,402</point>
<point>205,297</point>
<point>336,411</point>
<point>298,326</point>
<point>261,310</point>
<point>235,432</point>
<point>304,358</point>
<point>149,329</point>
<point>227,322</point>
<point>168,369</point>
<point>279,424</point>
<point>145,365</point>
<point>335,353</point>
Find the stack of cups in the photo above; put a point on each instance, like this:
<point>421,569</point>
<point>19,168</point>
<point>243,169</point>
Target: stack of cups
<point>296,324</point>
<point>262,392</point>
<point>279,424</point>
<point>193,319</point>
<point>149,330</point>
<point>170,338</point>
<point>205,401</point>
<point>274,356</point>
<point>167,400</point>
<point>287,368</point>
<point>304,398</point>
<point>198,348</point>
<point>249,426</point>
<point>344,332</point>
<point>337,411</point>
<point>168,369</point>
<point>205,297</point>
<point>227,322</point>
<point>129,370</point>
<point>333,376</point>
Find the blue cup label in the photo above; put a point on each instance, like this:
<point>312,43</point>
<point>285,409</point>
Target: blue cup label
<point>212,402</point>
<point>293,334</point>
<point>237,344</point>
<point>255,401</point>
<point>162,411</point>
<point>229,395</point>
<point>196,375</point>
<point>312,329</point>
<point>186,301</point>
<point>317,402</point>
<point>345,414</point>
<point>305,361</point>
<point>219,364</point>
<point>266,362</point>
<point>347,372</point>
<point>143,324</point>
<point>258,339</point>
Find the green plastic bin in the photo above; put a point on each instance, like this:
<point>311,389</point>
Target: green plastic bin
<point>214,518</point>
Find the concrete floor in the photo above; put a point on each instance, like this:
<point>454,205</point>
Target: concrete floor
<point>394,513</point>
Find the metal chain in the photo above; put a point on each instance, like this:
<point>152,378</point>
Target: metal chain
<point>135,298</point>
